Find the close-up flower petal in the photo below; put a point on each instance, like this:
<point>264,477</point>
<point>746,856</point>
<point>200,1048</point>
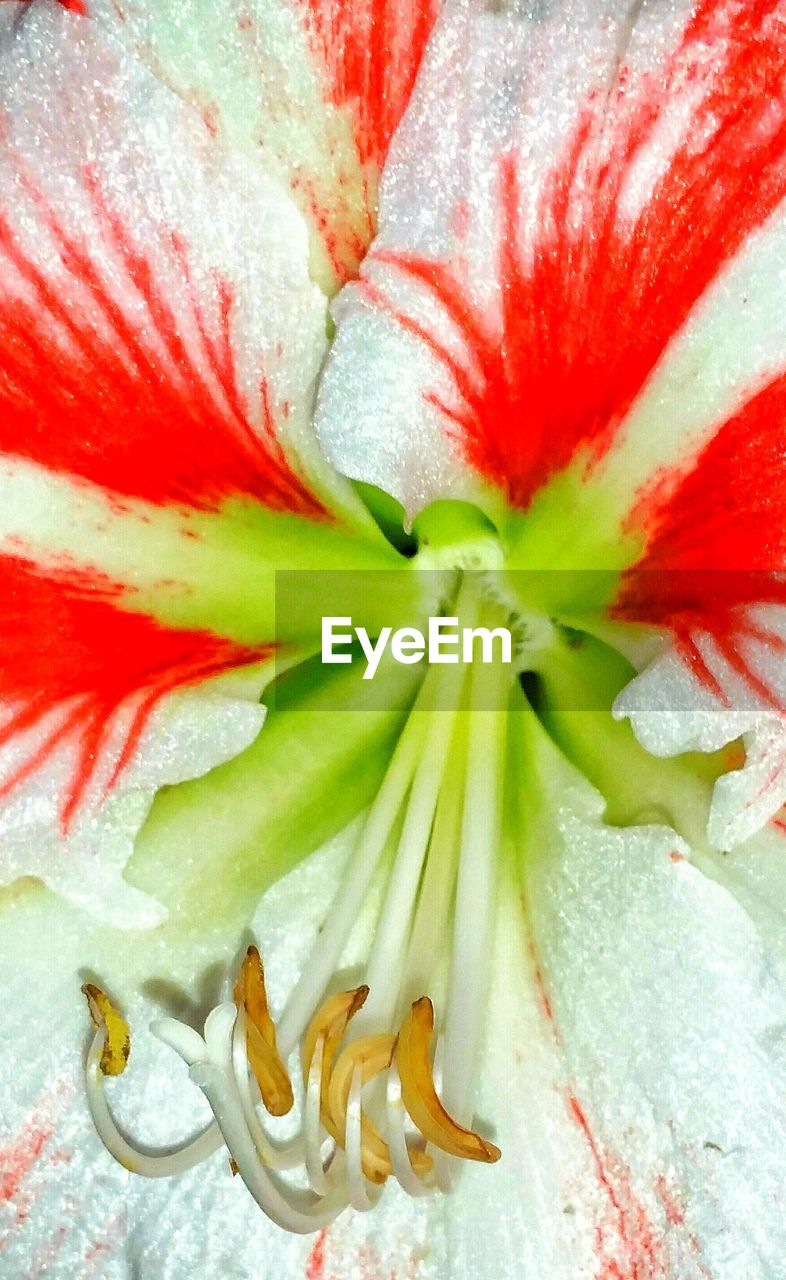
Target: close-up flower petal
<point>392,639</point>
<point>309,91</point>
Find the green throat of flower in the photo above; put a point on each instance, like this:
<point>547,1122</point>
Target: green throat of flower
<point>377,1077</point>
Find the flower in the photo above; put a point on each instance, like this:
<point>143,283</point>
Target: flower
<point>490,952</point>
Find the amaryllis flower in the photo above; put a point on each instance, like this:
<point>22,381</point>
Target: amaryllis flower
<point>466,969</point>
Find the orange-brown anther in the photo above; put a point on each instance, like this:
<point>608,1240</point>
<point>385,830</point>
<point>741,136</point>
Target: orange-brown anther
<point>329,1025</point>
<point>330,1022</point>
<point>371,1055</point>
<point>106,1018</point>
<point>420,1096</point>
<point>269,1071</point>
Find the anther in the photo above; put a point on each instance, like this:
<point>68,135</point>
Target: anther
<point>269,1071</point>
<point>329,1025</point>
<point>420,1096</point>
<point>107,1019</point>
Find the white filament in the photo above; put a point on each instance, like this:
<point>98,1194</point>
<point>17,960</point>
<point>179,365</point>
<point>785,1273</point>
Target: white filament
<point>312,1123</point>
<point>322,962</point>
<point>363,1195</point>
<point>446,778</point>
<point>475,893</point>
<point>292,1208</point>
<point>410,1181</point>
<point>162,1164</point>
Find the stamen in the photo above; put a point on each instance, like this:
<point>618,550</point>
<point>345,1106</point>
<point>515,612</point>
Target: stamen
<point>402,1156</point>
<point>269,1071</point>
<point>361,1061</point>
<point>107,1019</point>
<point>328,1028</point>
<point>276,1155</point>
<point>312,1120</point>
<point>371,1104</point>
<point>362,1194</point>
<point>420,1095</point>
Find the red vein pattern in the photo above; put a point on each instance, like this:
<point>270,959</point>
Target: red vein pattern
<point>68,648</point>
<point>628,1244</point>
<point>717,541</point>
<point>371,51</point>
<point>129,405</point>
<point>108,402</point>
<point>589,301</point>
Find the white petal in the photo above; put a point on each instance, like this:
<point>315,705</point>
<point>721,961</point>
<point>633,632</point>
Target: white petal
<point>673,1029</point>
<point>308,92</point>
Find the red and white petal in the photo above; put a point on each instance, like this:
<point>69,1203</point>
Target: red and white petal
<point>159,340</point>
<point>582,275</point>
<point>311,91</point>
<point>634,1078</point>
<point>711,580</point>
<point>83,859</point>
<point>701,696</point>
<point>159,330</point>
<point>664,1000</point>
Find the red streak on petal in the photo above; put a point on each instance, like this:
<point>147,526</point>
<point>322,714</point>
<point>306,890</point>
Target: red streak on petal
<point>372,51</point>
<point>18,1159</point>
<point>315,1267</point>
<point>47,1255</point>
<point>75,6</point>
<point>628,1245</point>
<point>69,649</point>
<point>113,1238</point>
<point>110,390</point>
<point>674,1214</point>
<point>544,1000</point>
<point>589,300</point>
<point>717,542</point>
<point>727,511</point>
<point>20,1155</point>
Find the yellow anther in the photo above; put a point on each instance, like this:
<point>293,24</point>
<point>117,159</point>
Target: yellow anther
<point>269,1071</point>
<point>109,1020</point>
<point>420,1096</point>
<point>330,1023</point>
<point>372,1055</point>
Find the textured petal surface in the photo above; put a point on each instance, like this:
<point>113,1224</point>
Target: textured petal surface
<point>157,358</point>
<point>635,1060</point>
<point>188,734</point>
<point>310,91</point>
<point>576,287</point>
<point>699,697</point>
<point>665,1001</point>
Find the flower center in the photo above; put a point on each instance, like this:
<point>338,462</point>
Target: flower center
<point>386,1071</point>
